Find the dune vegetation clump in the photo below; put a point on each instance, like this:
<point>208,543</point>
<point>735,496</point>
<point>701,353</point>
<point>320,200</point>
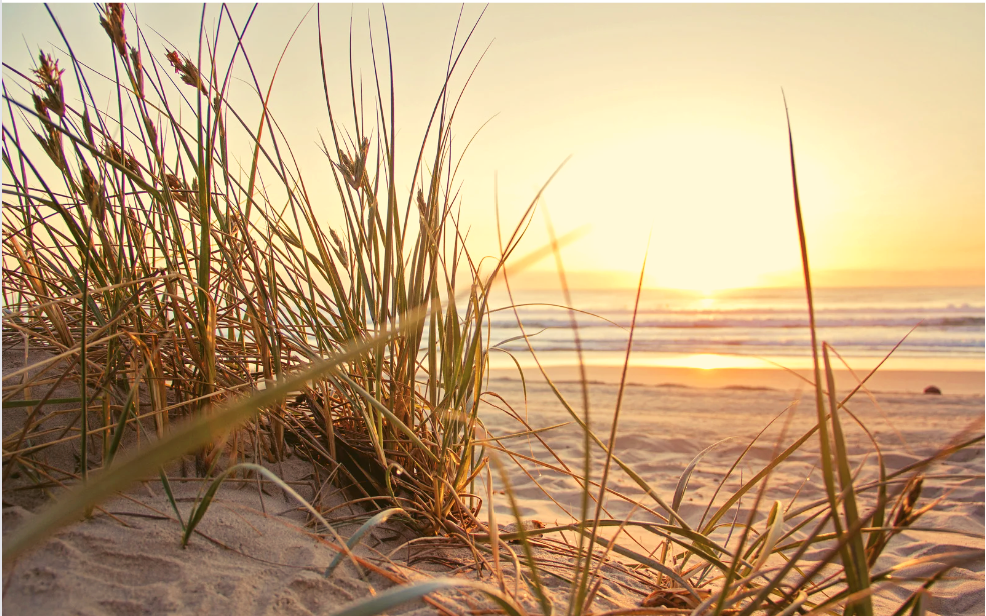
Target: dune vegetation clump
<point>148,266</point>
<point>192,304</point>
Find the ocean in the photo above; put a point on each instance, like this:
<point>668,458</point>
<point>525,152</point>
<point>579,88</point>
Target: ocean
<point>747,328</point>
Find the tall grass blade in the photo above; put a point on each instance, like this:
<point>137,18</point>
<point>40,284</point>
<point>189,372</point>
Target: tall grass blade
<point>521,535</point>
<point>856,565</point>
<point>682,485</point>
<point>367,526</point>
<point>402,594</point>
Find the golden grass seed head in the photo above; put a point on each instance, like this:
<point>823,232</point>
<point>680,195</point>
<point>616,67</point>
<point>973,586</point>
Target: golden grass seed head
<point>348,170</point>
<point>131,164</point>
<point>112,22</point>
<point>48,72</point>
<point>138,72</point>
<point>906,516</point>
<point>176,62</point>
<point>121,157</point>
<point>336,238</point>
<point>112,151</point>
<point>173,182</point>
<point>188,72</point>
<point>50,82</point>
<point>179,190</point>
<point>359,165</point>
<point>40,107</point>
<point>340,248</point>
<point>151,131</point>
<point>87,129</point>
<point>51,142</point>
<point>92,192</point>
<point>342,258</point>
<point>915,493</point>
<point>346,163</point>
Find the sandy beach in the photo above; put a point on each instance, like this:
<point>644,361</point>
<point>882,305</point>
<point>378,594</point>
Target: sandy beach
<point>256,551</point>
<point>663,428</point>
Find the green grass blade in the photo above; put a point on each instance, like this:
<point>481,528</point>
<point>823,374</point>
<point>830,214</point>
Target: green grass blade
<point>379,518</point>
<point>649,562</point>
<point>171,497</point>
<point>856,565</point>
<point>775,528</point>
<point>203,505</point>
<point>679,490</point>
<point>402,594</point>
<point>539,592</point>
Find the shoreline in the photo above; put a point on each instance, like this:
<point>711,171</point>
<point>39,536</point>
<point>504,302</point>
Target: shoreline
<point>950,382</point>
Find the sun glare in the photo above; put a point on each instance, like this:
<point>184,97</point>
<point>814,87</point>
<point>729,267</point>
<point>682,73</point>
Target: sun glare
<point>707,361</point>
<point>705,279</point>
<point>712,361</point>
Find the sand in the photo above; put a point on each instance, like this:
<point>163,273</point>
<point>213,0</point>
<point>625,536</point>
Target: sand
<point>662,428</point>
<point>255,554</point>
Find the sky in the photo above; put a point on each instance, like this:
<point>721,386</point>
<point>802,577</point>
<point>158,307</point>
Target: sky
<point>670,117</point>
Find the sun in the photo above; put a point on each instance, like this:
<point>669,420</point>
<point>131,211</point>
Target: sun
<point>704,279</point>
<point>711,361</point>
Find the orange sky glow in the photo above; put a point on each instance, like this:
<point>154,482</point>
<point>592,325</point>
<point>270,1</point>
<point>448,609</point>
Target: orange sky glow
<point>673,118</point>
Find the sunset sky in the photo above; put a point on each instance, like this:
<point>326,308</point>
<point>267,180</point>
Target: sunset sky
<point>672,115</point>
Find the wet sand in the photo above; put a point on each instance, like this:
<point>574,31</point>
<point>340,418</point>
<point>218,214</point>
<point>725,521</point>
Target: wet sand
<point>883,381</point>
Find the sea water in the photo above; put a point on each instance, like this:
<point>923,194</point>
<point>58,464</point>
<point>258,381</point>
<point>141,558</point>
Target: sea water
<point>936,328</point>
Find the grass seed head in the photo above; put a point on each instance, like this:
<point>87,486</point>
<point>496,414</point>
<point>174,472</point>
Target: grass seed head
<point>340,248</point>
<point>51,141</point>
<point>347,167</point>
<point>906,515</point>
<point>151,131</point>
<point>87,129</point>
<point>138,72</point>
<point>40,106</point>
<point>92,192</point>
<point>188,72</point>
<point>50,83</point>
<point>179,190</point>
<point>335,237</point>
<point>354,171</point>
<point>112,22</point>
<point>121,157</point>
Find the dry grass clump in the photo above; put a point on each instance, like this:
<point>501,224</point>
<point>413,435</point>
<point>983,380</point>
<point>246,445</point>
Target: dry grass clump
<point>168,282</point>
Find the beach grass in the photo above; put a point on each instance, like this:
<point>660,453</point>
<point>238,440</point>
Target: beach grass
<point>170,273</point>
<point>199,307</point>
